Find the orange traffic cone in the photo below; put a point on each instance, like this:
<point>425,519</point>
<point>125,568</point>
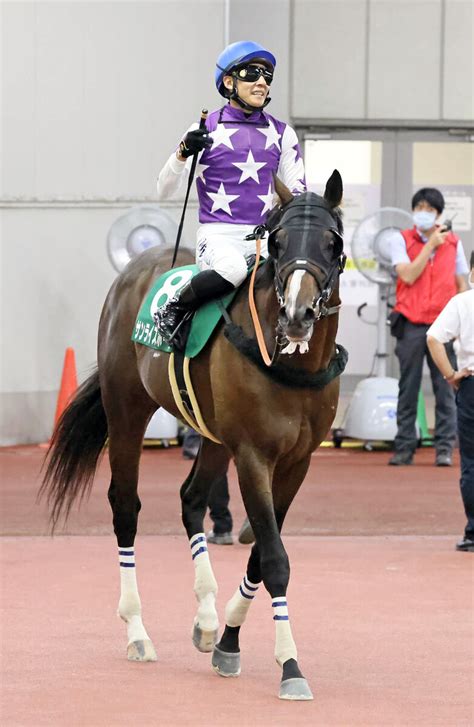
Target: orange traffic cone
<point>68,383</point>
<point>67,388</point>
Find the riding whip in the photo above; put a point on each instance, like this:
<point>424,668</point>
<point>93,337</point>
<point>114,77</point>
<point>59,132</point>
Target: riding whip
<point>202,125</point>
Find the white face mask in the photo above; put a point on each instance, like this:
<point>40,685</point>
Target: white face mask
<point>424,220</point>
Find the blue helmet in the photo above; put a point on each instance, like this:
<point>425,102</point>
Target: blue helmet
<point>237,53</point>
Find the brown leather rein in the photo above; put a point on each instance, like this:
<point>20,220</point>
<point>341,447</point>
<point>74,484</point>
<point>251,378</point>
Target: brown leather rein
<point>253,309</point>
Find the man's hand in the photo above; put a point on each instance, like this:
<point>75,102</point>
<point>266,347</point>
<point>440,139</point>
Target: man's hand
<point>194,141</point>
<point>458,376</point>
<point>437,238</point>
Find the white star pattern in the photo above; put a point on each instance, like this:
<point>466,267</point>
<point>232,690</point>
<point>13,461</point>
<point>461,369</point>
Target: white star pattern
<point>249,168</point>
<point>272,136</point>
<point>221,135</point>
<point>201,168</point>
<point>221,200</point>
<point>267,200</point>
<point>297,173</point>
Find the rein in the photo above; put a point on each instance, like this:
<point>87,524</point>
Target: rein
<point>253,310</point>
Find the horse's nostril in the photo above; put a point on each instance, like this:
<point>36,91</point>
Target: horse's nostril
<point>283,315</point>
<point>309,315</point>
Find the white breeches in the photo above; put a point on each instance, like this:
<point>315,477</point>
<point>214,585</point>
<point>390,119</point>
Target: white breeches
<point>222,247</point>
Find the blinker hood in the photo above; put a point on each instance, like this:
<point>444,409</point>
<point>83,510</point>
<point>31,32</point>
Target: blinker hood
<point>304,221</point>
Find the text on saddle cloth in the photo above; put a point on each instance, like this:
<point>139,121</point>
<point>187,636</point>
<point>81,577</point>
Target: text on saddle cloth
<point>165,288</point>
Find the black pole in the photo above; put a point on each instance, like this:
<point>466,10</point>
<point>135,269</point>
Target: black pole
<point>202,125</point>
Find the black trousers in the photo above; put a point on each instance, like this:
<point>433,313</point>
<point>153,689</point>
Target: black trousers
<point>219,494</point>
<point>465,406</point>
<point>411,350</point>
<point>219,506</point>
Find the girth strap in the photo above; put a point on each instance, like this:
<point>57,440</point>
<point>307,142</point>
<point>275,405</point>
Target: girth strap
<point>185,397</point>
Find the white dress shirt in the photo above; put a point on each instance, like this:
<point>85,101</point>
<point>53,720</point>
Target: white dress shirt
<point>456,320</point>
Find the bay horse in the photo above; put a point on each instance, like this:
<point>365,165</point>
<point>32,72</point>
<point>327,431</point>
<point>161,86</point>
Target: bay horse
<point>269,420</point>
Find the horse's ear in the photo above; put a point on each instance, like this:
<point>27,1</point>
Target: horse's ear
<point>282,190</point>
<point>333,191</point>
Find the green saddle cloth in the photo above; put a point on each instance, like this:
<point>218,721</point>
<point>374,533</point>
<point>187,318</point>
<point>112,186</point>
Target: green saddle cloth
<point>163,289</point>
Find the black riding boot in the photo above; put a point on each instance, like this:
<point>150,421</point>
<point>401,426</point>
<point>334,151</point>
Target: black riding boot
<point>205,286</point>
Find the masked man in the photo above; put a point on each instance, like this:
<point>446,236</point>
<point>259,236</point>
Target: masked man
<point>430,264</point>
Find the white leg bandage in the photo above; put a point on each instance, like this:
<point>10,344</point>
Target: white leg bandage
<point>205,584</point>
<point>285,647</point>
<point>129,605</point>
<point>238,606</point>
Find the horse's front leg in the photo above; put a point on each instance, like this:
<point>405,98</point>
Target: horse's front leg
<point>226,655</point>
<point>211,463</point>
<point>255,478</point>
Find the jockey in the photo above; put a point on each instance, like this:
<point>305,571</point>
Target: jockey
<point>240,149</point>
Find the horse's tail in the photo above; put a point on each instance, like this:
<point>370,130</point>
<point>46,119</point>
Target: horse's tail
<point>76,445</point>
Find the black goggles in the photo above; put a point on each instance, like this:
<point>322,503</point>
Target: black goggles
<point>251,73</point>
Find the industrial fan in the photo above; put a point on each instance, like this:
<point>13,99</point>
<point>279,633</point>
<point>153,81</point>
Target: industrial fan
<point>131,234</point>
<point>137,230</point>
<point>372,412</point>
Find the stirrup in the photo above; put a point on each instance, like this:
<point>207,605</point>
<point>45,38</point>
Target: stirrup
<point>188,314</point>
<point>162,324</point>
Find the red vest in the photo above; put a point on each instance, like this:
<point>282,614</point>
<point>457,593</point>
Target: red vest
<point>423,301</point>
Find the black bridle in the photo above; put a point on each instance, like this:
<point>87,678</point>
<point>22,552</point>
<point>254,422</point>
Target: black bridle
<point>303,219</point>
<point>304,247</point>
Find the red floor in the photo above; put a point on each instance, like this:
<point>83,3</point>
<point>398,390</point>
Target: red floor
<point>345,492</point>
<point>381,605</point>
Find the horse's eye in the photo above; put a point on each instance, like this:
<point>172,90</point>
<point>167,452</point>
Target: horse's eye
<point>332,246</point>
<point>277,242</point>
<point>327,246</point>
<point>337,245</point>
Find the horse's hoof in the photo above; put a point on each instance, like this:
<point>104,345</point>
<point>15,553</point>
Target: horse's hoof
<point>204,640</point>
<point>296,689</point>
<point>141,651</point>
<point>225,663</point>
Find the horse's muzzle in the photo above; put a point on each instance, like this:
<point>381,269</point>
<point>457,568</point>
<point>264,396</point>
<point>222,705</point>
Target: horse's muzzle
<point>297,325</point>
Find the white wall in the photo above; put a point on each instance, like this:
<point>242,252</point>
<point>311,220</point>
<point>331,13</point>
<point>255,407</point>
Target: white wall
<point>94,97</point>
<point>95,93</point>
<point>383,59</point>
<point>458,66</point>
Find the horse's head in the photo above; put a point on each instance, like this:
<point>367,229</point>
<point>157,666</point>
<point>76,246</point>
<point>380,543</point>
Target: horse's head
<point>305,241</point>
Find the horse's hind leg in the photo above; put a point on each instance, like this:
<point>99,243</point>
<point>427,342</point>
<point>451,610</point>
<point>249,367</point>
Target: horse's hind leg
<point>211,463</point>
<point>127,424</point>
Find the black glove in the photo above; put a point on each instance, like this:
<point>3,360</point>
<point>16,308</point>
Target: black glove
<point>195,141</point>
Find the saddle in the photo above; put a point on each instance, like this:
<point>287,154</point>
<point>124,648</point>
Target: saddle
<point>196,330</point>
<point>194,333</point>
